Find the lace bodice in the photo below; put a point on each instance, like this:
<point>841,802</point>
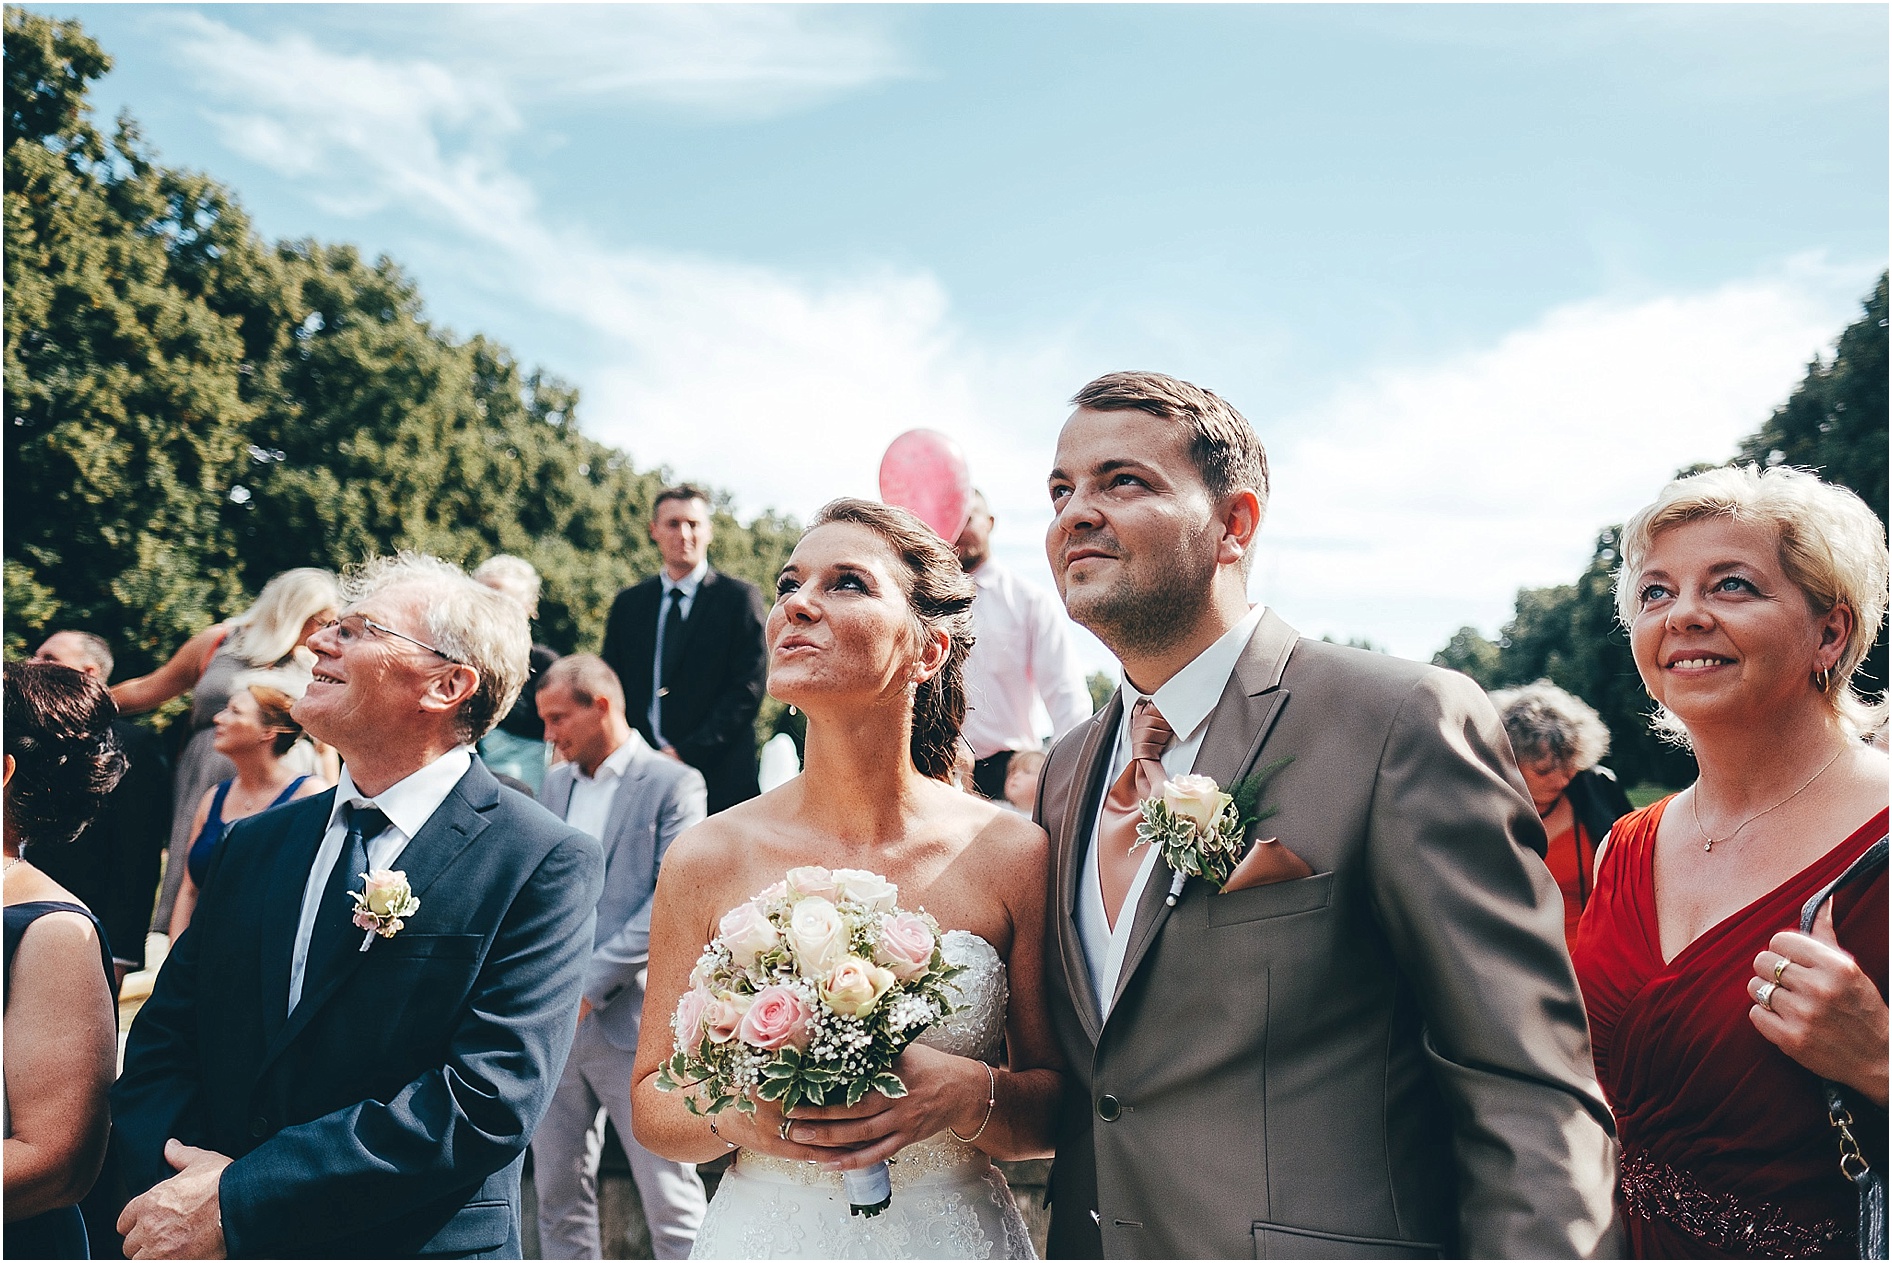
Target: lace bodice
<point>976,1025</point>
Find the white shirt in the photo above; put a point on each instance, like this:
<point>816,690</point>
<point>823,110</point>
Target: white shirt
<point>592,796</point>
<point>408,804</point>
<point>1185,702</point>
<point>687,585</point>
<point>1021,650</point>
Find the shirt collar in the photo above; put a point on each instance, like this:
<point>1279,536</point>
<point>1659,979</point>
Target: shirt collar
<point>615,763</point>
<point>1188,697</point>
<point>989,574</point>
<point>408,803</point>
<point>689,582</point>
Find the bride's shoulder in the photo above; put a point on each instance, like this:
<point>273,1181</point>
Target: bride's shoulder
<point>996,834</point>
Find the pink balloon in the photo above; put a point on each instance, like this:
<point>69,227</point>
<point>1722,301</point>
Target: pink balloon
<point>924,472</point>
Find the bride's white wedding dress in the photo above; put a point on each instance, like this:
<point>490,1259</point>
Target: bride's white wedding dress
<point>948,1200</point>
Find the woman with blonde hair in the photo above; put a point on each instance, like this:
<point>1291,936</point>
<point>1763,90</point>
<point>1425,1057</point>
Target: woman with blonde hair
<point>254,731</point>
<point>1719,1026</point>
<point>271,633</point>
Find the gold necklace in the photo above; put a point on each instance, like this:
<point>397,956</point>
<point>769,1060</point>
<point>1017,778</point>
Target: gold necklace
<point>1708,843</point>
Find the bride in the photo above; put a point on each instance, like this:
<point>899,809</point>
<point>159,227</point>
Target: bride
<point>868,637</point>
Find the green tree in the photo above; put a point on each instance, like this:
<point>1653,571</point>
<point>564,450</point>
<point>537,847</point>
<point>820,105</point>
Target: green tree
<point>193,410</point>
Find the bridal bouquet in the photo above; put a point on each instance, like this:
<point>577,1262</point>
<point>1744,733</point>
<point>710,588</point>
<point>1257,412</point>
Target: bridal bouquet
<point>807,994</point>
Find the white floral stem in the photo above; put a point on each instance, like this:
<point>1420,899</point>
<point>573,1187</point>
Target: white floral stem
<point>1175,887</point>
<point>367,939</point>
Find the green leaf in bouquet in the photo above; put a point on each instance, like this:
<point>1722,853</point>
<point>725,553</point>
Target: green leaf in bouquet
<point>720,1104</point>
<point>689,1103</point>
<point>889,1085</point>
<point>773,1089</point>
<point>856,1090</point>
<point>744,1105</point>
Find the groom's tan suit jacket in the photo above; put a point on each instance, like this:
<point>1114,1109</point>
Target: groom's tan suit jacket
<point>1387,1059</point>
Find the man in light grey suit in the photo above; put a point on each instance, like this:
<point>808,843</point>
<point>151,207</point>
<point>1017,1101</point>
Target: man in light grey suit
<point>1369,1043</point>
<point>616,788</point>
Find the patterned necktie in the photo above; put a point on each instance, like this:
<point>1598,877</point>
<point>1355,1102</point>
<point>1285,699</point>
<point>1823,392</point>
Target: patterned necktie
<point>1122,809</point>
<point>334,916</point>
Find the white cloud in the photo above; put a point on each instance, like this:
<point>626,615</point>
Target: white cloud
<point>1418,500</point>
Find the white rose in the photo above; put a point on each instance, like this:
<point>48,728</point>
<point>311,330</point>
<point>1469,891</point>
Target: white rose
<point>386,894</point>
<point>858,884</point>
<point>1196,798</point>
<point>817,935</point>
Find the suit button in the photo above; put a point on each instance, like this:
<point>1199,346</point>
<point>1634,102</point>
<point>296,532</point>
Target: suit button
<point>1108,1108</point>
<point>259,1127</point>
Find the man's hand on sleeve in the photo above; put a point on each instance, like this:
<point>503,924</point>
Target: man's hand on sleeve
<point>180,1218</point>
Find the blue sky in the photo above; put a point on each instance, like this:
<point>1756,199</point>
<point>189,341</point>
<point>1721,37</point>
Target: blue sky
<point>1482,276</point>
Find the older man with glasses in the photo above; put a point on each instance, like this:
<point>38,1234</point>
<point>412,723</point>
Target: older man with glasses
<point>349,1049</point>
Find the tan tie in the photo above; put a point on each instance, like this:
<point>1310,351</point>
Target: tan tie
<point>1142,777</point>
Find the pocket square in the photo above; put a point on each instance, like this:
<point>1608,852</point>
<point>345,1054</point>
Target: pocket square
<point>1267,862</point>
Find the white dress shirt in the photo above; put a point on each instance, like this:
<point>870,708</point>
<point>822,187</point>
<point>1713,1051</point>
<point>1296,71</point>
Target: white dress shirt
<point>1021,650</point>
<point>408,804</point>
<point>592,796</point>
<point>687,585</point>
<point>1185,702</point>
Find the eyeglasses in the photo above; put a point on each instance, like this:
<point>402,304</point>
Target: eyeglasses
<point>352,627</point>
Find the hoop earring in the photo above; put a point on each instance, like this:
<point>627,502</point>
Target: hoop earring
<point>1823,679</point>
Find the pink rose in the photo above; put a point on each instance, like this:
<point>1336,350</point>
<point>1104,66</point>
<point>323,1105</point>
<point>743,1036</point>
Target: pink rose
<point>722,1015</point>
<point>906,945</point>
<point>779,1016</point>
<point>747,933</point>
<point>691,1007</point>
<point>812,879</point>
<point>771,893</point>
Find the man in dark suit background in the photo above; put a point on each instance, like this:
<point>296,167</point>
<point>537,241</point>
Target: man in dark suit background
<point>299,1085</point>
<point>113,865</point>
<point>687,645</point>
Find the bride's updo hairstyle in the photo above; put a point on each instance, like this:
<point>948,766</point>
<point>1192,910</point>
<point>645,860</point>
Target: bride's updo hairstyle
<point>939,594</point>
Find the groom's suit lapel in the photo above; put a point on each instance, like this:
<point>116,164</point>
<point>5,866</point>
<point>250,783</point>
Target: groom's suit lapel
<point>1073,844</point>
<point>1238,728</point>
<point>451,829</point>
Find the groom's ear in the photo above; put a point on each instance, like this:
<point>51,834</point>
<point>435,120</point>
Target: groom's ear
<point>1241,522</point>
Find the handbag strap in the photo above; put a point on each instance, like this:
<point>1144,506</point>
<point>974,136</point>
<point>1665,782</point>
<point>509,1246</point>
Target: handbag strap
<point>1852,1163</point>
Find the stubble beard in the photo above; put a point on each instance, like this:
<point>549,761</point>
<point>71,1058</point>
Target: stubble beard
<point>1138,617</point>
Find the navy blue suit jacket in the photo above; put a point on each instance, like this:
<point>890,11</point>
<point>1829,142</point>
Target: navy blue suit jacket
<point>388,1115</point>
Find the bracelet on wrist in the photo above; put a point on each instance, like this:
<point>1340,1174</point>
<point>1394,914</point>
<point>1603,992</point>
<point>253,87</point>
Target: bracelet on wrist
<point>991,1099</point>
<point>712,1122</point>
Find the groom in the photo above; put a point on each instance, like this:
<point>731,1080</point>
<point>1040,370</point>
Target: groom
<point>295,1088</point>
<point>1370,1044</point>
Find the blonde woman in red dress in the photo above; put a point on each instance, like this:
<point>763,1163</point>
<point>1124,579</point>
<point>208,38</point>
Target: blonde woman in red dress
<point>1751,596</point>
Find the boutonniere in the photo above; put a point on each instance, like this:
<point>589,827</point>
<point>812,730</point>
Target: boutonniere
<point>381,903</point>
<point>1199,830</point>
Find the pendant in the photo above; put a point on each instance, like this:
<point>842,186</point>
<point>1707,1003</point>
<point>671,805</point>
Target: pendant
<point>1709,845</point>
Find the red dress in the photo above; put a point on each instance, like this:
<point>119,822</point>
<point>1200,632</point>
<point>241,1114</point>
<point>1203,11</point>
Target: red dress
<point>1726,1148</point>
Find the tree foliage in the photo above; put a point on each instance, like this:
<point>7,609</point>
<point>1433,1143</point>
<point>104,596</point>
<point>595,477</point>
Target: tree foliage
<point>191,409</point>
<point>1835,422</point>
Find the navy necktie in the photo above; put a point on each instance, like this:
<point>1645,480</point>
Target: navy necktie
<point>334,915</point>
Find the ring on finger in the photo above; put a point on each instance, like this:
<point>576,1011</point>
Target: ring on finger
<point>783,1132</point>
<point>1765,996</point>
<point>1781,968</point>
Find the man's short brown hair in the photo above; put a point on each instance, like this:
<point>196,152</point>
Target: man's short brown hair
<point>682,491</point>
<point>1222,444</point>
<point>586,676</point>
